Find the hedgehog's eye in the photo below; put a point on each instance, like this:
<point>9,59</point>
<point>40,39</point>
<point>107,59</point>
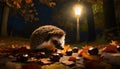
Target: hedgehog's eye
<point>55,41</point>
<point>57,44</point>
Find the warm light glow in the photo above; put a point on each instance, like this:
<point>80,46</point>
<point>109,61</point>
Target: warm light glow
<point>77,10</point>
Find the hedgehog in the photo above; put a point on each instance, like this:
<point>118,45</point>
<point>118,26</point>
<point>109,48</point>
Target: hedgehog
<point>47,38</point>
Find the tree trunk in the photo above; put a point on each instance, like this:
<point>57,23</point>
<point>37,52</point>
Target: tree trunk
<point>117,12</point>
<point>110,20</point>
<point>90,20</point>
<point>109,13</point>
<point>4,21</point>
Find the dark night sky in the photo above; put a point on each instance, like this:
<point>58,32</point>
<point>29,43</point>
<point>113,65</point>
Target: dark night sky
<point>18,24</point>
<point>44,14</point>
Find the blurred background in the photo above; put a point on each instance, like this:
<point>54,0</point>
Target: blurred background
<point>99,19</point>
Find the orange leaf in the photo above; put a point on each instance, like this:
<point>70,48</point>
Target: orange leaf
<point>110,48</point>
<point>66,47</point>
<point>18,5</point>
<point>28,1</point>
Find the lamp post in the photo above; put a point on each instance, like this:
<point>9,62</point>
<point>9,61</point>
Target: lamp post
<point>77,10</point>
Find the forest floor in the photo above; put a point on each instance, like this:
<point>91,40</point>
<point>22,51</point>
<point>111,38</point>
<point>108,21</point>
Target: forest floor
<point>9,41</point>
<point>17,41</point>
